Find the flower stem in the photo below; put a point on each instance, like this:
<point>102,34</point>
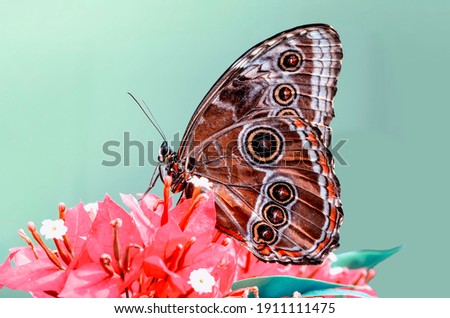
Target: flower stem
<point>165,215</point>
<point>50,255</point>
<point>64,255</point>
<point>185,219</point>
<point>24,236</point>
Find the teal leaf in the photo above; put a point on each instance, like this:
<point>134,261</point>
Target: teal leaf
<point>363,258</point>
<point>336,292</point>
<point>284,286</point>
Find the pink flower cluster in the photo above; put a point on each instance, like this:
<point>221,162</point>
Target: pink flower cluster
<point>147,252</point>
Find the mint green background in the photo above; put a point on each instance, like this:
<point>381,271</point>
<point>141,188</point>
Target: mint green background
<point>65,69</point>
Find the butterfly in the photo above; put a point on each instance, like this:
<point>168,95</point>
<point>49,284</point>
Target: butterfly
<point>261,137</point>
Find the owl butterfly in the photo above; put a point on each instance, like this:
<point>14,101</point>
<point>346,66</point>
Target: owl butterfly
<point>261,137</point>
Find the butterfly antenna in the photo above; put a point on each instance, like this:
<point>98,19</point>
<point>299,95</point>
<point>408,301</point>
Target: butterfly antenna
<point>154,119</point>
<point>148,117</point>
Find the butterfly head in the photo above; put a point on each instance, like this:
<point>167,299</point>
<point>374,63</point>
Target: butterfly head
<point>166,154</point>
<point>171,167</point>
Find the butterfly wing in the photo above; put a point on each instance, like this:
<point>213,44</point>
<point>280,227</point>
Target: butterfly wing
<point>248,86</point>
<point>261,134</point>
<point>275,187</point>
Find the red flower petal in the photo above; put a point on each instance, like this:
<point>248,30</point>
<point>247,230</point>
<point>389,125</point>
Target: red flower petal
<point>90,280</point>
<point>166,239</point>
<point>153,207</point>
<point>202,221</point>
<point>220,261</point>
<point>79,224</point>
<point>172,283</point>
<point>101,239</point>
<point>142,219</point>
<point>31,274</point>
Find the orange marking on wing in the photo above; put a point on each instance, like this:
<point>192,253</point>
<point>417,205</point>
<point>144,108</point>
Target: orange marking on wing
<point>292,254</point>
<point>298,123</point>
<point>264,249</point>
<point>312,138</point>
<point>331,227</point>
<point>234,234</point>
<point>322,245</point>
<point>333,217</point>
<point>330,189</point>
<point>323,162</point>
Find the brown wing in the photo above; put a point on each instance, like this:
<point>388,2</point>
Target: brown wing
<point>252,83</point>
<point>279,93</point>
<point>275,187</point>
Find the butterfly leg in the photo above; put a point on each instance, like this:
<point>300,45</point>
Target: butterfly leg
<point>155,175</point>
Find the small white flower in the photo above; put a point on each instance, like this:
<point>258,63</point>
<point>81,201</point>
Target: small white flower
<point>91,207</point>
<point>332,257</point>
<point>201,182</point>
<point>53,229</point>
<point>201,280</point>
<point>336,270</point>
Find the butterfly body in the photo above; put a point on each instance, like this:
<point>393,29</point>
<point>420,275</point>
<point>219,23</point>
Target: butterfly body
<point>261,137</point>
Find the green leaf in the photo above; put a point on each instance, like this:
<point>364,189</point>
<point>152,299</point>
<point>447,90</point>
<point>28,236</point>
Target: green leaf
<point>284,286</point>
<point>336,292</point>
<point>363,258</point>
